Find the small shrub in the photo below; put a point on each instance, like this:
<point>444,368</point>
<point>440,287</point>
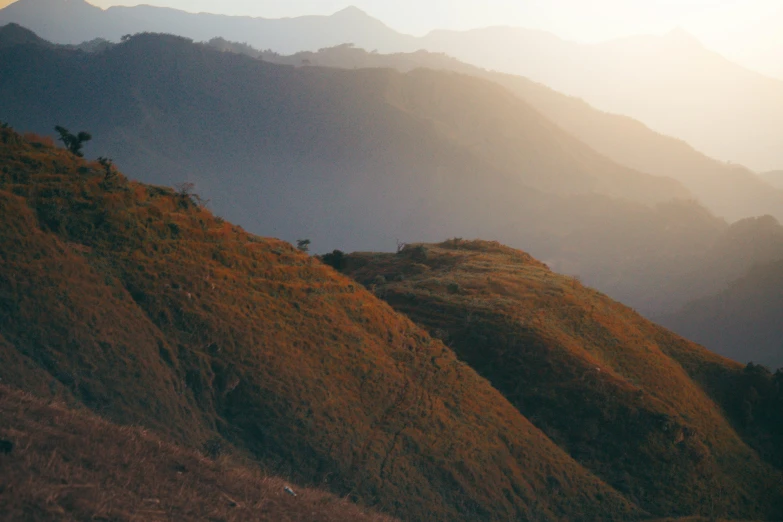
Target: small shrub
<point>336,260</point>
<point>109,172</point>
<point>213,448</point>
<point>74,143</point>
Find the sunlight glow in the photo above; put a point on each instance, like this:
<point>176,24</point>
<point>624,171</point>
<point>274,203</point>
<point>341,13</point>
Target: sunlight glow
<point>746,31</point>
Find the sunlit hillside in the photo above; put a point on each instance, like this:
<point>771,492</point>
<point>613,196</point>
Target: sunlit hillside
<point>226,292</point>
<point>358,159</point>
<point>641,407</point>
<point>138,303</point>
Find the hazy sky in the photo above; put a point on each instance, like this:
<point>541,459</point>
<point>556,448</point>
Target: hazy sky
<point>741,29</point>
<point>582,20</point>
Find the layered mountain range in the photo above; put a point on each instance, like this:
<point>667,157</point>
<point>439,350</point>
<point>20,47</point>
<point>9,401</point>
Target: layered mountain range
<point>361,159</point>
<point>671,83</point>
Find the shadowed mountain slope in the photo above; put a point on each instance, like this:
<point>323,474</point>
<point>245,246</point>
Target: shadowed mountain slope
<point>12,35</point>
<point>74,21</point>
<point>741,321</point>
<point>731,191</point>
<point>629,400</point>
<point>356,159</point>
<point>137,302</point>
<point>163,74</point>
<point>70,465</point>
<point>671,83</point>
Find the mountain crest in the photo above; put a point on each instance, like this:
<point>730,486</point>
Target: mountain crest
<point>351,12</point>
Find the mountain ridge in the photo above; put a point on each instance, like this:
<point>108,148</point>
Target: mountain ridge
<point>655,84</point>
<point>537,335</point>
<point>362,136</point>
<point>189,326</point>
<point>730,191</point>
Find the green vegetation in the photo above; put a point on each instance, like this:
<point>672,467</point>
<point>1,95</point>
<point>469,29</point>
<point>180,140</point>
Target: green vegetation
<point>73,142</point>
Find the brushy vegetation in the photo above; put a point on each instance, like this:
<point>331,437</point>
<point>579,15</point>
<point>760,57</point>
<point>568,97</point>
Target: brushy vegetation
<point>137,302</point>
<point>641,407</point>
<point>71,465</point>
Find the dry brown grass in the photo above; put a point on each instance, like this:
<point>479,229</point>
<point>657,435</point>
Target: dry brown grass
<point>69,465</point>
<point>623,396</point>
<point>138,303</point>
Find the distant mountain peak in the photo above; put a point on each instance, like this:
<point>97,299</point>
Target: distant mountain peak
<point>15,34</point>
<point>59,5</point>
<point>351,12</point>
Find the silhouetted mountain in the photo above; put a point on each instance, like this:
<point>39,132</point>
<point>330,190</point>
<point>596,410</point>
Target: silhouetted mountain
<point>671,83</point>
<point>74,21</point>
<point>730,191</point>
<point>138,303</point>
<point>730,319</point>
<point>12,35</point>
<point>641,400</point>
<point>743,321</point>
<point>357,159</point>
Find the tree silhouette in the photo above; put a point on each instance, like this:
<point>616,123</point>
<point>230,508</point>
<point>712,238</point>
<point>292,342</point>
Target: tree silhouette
<point>74,143</point>
<point>108,167</point>
<point>303,245</point>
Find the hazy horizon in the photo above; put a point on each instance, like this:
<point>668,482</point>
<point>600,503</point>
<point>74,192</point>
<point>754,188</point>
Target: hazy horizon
<point>742,31</point>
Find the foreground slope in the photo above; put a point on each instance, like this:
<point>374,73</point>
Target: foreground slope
<point>629,400</point>
<point>71,465</point>
<point>140,304</point>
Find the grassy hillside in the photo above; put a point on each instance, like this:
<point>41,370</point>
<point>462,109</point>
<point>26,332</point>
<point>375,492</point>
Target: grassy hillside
<point>140,304</point>
<point>71,465</point>
<point>669,273</point>
<point>629,400</point>
<point>357,159</point>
